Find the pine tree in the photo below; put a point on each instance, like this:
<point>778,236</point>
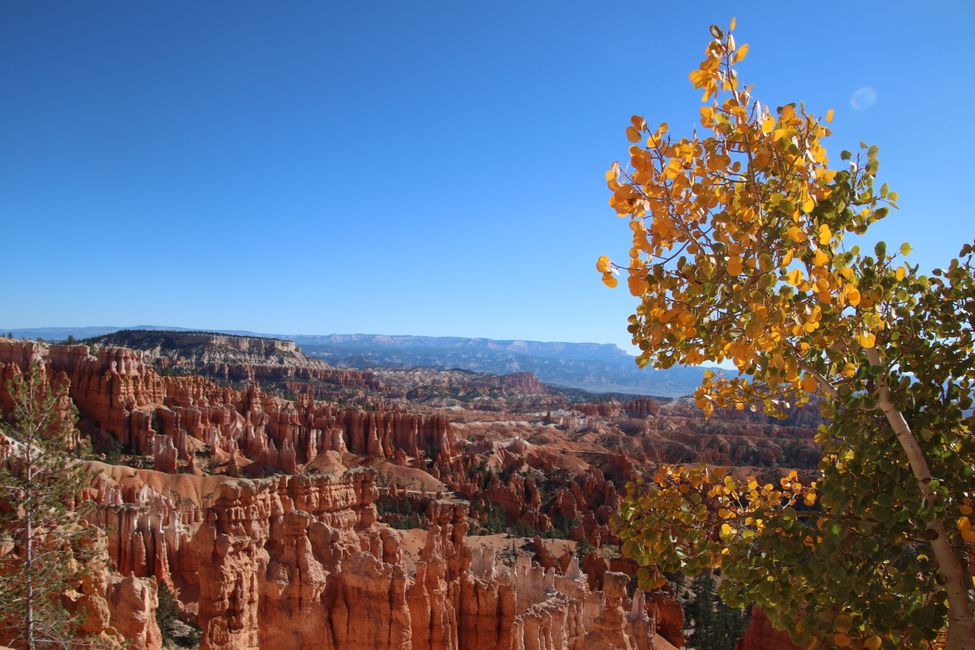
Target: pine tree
<point>40,528</point>
<point>716,626</point>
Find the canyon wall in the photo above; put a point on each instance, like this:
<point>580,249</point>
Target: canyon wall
<point>284,550</point>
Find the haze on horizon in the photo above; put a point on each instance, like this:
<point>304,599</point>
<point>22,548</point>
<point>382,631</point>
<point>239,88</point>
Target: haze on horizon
<point>433,170</point>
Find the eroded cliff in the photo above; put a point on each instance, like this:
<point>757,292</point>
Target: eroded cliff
<point>260,516</point>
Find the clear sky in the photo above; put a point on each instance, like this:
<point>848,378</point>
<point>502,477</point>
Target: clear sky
<point>413,167</point>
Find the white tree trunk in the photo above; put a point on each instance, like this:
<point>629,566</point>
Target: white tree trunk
<point>961,624</point>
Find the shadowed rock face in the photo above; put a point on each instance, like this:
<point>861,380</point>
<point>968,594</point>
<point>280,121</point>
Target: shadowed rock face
<point>760,635</point>
<point>298,559</point>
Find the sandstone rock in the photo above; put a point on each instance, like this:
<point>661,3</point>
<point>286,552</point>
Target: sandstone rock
<point>298,560</point>
<point>133,602</point>
<point>760,635</point>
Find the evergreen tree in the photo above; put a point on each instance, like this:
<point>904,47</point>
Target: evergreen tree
<point>40,484</point>
<point>716,626</point>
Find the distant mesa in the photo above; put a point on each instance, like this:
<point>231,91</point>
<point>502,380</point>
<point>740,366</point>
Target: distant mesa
<point>593,367</point>
<point>187,340</point>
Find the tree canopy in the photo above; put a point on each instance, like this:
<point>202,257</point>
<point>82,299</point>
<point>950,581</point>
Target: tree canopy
<point>745,249</point>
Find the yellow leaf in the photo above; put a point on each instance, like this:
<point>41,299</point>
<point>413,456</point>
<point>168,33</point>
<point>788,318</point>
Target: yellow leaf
<point>741,53</point>
<point>825,235</point>
<point>768,124</point>
<point>867,340</point>
<point>852,295</point>
<point>820,258</point>
<point>809,499</point>
<point>731,27</point>
<point>905,249</point>
<point>734,265</point>
<point>808,205</point>
<point>795,277</point>
<point>900,273</point>
<point>603,264</point>
<point>632,134</point>
<point>829,115</point>
<point>673,168</point>
<point>796,234</point>
<point>638,285</point>
<point>725,530</point>
<point>809,384</point>
<point>849,370</point>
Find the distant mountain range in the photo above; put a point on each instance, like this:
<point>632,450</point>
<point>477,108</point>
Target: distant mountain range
<point>595,367</point>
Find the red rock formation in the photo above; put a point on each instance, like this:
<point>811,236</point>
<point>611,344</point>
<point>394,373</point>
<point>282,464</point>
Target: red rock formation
<point>609,627</point>
<point>298,560</point>
<point>240,359</point>
<point>602,409</point>
<point>760,635</point>
<point>641,407</point>
<point>668,617</point>
<point>522,382</point>
<point>121,398</point>
<point>132,603</point>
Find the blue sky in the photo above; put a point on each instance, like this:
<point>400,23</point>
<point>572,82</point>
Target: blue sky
<point>412,167</point>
